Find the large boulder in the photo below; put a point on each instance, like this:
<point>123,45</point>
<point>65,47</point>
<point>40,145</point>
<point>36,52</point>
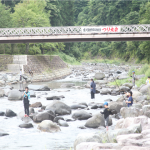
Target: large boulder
<point>78,106</point>
<point>2,113</point>
<point>81,115</point>
<point>44,116</point>
<point>59,108</point>
<point>63,123</point>
<point>97,146</point>
<point>22,113</point>
<point>14,95</point>
<point>26,125</point>
<point>99,76</point>
<point>146,108</point>
<point>115,106</point>
<point>1,92</point>
<point>36,105</point>
<point>87,137</point>
<point>58,118</point>
<point>38,87</point>
<point>105,91</point>
<point>55,97</point>
<point>127,122</point>
<point>130,85</point>
<point>147,114</point>
<point>136,95</point>
<point>48,126</point>
<point>10,113</point>
<point>130,112</point>
<point>112,134</point>
<point>137,105</point>
<point>145,89</point>
<point>124,88</point>
<point>96,121</point>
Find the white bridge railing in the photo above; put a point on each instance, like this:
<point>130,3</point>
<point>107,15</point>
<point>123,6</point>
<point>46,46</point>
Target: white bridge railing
<point>75,30</point>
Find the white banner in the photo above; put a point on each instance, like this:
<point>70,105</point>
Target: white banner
<point>101,29</point>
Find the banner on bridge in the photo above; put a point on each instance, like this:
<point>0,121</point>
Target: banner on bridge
<point>102,29</point>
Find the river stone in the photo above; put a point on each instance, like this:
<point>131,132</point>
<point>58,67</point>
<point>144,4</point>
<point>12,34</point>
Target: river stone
<point>38,87</point>
<point>58,118</point>
<point>59,108</point>
<point>130,85</point>
<point>130,121</point>
<point>22,113</point>
<point>137,105</point>
<point>67,85</point>
<point>94,107</point>
<point>44,116</point>
<point>135,148</point>
<point>1,92</point>
<point>146,108</point>
<point>99,76</point>
<point>97,146</point>
<point>55,97</point>
<point>32,93</point>
<point>140,98</point>
<point>112,134</point>
<point>2,113</point>
<point>78,106</point>
<point>63,123</point>
<point>14,95</point>
<point>81,115</point>
<point>10,113</point>
<point>26,125</point>
<point>96,121</point>
<point>145,89</point>
<point>115,106</point>
<point>87,137</point>
<point>123,139</point>
<point>147,114</point>
<point>105,91</point>
<point>124,88</point>
<point>122,76</point>
<point>36,105</point>
<point>48,126</point>
<point>83,103</point>
<point>2,133</point>
<point>130,112</point>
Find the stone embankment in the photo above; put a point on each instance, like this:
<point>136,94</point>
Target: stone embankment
<point>44,68</point>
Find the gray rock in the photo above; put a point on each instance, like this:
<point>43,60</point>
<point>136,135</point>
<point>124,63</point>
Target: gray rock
<point>21,114</point>
<point>43,116</point>
<point>87,137</point>
<point>26,125</point>
<point>32,93</point>
<point>124,88</point>
<point>105,91</point>
<point>55,97</point>
<point>58,118</point>
<point>48,126</point>
<point>2,113</point>
<point>137,105</point>
<point>115,106</point>
<point>130,85</point>
<point>3,133</point>
<point>14,95</point>
<point>36,105</point>
<point>147,114</point>
<point>63,123</point>
<point>81,115</point>
<point>99,76</point>
<point>78,106</point>
<point>38,87</point>
<point>83,103</point>
<point>59,108</point>
<point>146,108</point>
<point>130,112</point>
<point>10,113</point>
<point>145,89</point>
<point>96,121</point>
<point>82,127</point>
<point>1,92</point>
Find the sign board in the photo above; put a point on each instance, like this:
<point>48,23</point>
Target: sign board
<point>101,29</point>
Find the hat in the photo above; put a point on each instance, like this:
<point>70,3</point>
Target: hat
<point>105,104</point>
<point>133,71</point>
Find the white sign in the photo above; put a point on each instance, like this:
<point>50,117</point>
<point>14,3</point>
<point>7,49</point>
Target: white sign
<point>101,29</point>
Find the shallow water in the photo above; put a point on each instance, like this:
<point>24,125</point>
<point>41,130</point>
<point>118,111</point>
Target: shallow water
<point>33,139</point>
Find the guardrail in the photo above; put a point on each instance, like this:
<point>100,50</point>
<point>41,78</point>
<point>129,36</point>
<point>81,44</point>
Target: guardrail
<point>74,30</point>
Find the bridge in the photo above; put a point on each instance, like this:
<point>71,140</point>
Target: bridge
<point>76,34</point>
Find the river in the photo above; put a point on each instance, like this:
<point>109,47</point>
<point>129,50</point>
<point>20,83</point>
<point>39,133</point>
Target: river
<point>33,139</point>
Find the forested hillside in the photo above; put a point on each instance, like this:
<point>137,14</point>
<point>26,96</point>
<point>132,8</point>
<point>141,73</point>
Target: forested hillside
<point>36,13</point>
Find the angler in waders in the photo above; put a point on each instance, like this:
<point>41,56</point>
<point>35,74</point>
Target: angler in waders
<point>26,98</point>
<point>133,78</point>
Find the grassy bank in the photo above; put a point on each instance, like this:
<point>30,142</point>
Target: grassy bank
<point>144,70</point>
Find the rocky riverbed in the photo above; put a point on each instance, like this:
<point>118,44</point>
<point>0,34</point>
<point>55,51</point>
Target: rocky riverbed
<point>62,115</point>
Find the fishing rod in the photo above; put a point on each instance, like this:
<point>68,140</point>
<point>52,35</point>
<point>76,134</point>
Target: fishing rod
<point>114,78</point>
